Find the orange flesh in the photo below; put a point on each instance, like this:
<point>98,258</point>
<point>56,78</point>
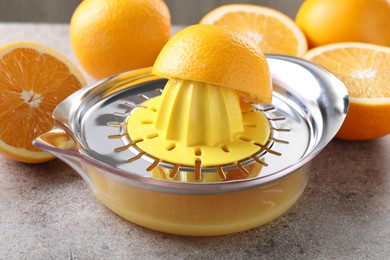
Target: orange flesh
<point>364,78</point>
<point>32,85</point>
<point>268,32</point>
<point>364,69</point>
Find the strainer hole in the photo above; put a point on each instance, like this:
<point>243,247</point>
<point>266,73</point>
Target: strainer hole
<point>151,136</point>
<point>198,152</point>
<point>147,122</point>
<point>170,147</point>
<point>245,139</point>
<point>250,125</point>
<point>225,148</point>
<point>134,141</point>
<point>198,165</point>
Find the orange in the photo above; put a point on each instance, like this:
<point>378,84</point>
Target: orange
<point>216,55</point>
<point>113,36</point>
<point>332,21</point>
<point>365,70</point>
<point>272,30</point>
<point>34,80</point>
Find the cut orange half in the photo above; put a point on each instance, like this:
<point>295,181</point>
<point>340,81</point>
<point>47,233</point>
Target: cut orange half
<point>34,79</point>
<point>365,70</point>
<point>219,56</point>
<point>270,29</point>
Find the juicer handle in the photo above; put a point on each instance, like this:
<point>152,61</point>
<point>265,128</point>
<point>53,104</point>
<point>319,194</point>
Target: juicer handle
<point>56,141</point>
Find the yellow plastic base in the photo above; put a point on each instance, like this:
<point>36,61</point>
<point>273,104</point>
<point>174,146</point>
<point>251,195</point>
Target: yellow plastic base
<point>198,215</point>
<point>198,125</point>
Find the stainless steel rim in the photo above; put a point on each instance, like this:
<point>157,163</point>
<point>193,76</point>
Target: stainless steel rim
<point>312,100</point>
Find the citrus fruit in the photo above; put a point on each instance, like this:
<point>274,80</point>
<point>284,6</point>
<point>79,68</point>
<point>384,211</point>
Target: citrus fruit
<point>109,37</point>
<point>34,79</point>
<point>332,21</point>
<point>272,30</point>
<point>216,55</point>
<point>365,70</point>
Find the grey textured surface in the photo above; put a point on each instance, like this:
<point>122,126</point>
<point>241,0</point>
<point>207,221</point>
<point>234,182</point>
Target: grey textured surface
<point>47,212</point>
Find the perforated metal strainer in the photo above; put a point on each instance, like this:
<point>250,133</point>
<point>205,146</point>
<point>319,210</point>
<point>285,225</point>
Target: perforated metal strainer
<point>91,134</point>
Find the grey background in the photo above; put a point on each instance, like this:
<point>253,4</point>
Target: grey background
<point>183,12</point>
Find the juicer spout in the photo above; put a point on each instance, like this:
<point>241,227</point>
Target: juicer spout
<point>61,144</point>
<point>57,142</point>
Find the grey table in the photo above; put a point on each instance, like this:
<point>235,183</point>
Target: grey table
<point>47,211</point>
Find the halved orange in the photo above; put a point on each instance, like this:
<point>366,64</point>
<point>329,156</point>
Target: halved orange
<point>270,29</point>
<point>34,79</point>
<point>365,70</point>
<point>217,55</point>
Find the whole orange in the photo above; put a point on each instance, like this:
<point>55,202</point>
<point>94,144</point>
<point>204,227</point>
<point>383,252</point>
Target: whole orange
<point>113,36</point>
<point>332,21</point>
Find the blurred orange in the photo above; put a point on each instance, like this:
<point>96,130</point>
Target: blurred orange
<point>332,21</point>
<point>113,36</point>
<point>273,31</point>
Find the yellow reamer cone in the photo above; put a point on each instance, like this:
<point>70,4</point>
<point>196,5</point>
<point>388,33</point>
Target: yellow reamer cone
<point>195,122</point>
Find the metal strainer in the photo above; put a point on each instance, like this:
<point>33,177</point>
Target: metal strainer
<point>91,134</point>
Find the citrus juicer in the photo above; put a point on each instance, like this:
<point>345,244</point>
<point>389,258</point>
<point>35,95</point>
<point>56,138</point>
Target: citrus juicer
<point>193,158</point>
<point>89,122</point>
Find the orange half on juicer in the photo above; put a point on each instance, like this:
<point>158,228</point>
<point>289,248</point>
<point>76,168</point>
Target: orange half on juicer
<point>204,119</point>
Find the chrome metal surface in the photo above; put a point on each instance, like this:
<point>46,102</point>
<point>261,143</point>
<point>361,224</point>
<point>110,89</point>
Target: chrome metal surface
<point>312,101</point>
